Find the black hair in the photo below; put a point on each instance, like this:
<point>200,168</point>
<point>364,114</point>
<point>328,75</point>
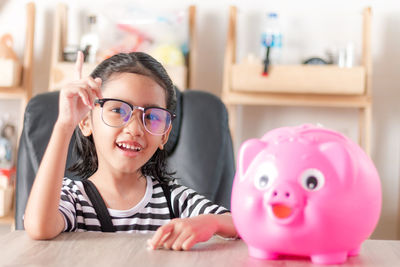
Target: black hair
<point>138,63</point>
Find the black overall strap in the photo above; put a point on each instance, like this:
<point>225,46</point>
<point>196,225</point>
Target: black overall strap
<point>167,194</point>
<point>99,206</point>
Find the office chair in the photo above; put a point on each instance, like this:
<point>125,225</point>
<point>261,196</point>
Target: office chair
<point>200,146</point>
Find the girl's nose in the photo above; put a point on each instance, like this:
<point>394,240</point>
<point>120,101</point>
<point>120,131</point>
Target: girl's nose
<point>135,124</point>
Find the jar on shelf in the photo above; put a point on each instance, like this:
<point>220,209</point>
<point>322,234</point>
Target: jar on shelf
<point>10,68</point>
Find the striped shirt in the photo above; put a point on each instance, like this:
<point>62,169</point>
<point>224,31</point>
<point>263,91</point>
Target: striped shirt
<point>146,216</point>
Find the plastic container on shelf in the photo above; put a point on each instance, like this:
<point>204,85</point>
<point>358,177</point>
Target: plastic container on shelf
<point>7,164</point>
<point>10,68</point>
<point>271,38</point>
<point>346,56</point>
<point>8,143</point>
<point>90,40</point>
<point>7,177</point>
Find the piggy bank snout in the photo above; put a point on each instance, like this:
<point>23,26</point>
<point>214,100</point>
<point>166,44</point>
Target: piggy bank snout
<point>283,199</point>
<point>283,192</point>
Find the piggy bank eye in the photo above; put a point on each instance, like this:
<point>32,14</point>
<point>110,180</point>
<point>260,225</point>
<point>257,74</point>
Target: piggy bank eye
<point>312,179</point>
<point>265,175</point>
<point>262,182</point>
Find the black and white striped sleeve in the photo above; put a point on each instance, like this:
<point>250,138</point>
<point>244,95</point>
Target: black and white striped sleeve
<point>188,203</point>
<point>67,205</point>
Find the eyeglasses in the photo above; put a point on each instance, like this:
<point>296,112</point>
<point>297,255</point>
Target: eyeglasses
<point>116,113</point>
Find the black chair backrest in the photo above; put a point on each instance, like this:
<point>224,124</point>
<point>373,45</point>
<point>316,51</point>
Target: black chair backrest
<point>199,145</point>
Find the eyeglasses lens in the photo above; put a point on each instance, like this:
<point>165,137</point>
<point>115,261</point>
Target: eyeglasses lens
<point>116,114</point>
<point>157,120</point>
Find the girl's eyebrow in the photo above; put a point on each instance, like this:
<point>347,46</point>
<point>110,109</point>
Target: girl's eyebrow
<point>144,106</point>
<point>152,105</point>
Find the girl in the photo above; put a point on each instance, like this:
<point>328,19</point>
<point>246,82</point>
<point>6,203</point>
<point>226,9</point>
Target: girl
<point>124,114</point>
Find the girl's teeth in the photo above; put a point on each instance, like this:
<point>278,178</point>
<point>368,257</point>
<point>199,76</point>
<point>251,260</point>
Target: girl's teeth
<point>129,147</point>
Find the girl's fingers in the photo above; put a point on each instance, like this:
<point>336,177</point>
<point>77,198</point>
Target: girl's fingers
<point>171,240</point>
<point>79,64</point>
<point>180,240</point>
<point>99,83</point>
<point>87,89</point>
<point>189,243</point>
<point>85,97</point>
<point>95,86</point>
<point>91,99</point>
<point>161,234</point>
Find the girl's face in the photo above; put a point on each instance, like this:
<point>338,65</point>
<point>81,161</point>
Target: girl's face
<point>126,149</point>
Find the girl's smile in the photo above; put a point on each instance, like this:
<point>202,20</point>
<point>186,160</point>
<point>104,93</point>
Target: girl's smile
<point>129,148</point>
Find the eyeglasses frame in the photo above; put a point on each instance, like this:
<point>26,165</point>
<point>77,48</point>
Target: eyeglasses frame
<point>102,101</point>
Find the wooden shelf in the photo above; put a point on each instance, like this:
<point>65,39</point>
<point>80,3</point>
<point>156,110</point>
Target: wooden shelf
<point>300,79</point>
<point>62,72</point>
<point>12,92</point>
<point>8,219</point>
<point>22,92</point>
<point>300,100</point>
<point>300,85</point>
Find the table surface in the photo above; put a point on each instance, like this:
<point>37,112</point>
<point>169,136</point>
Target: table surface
<point>110,249</point>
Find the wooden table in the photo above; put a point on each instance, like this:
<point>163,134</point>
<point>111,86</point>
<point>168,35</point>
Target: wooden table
<point>108,249</point>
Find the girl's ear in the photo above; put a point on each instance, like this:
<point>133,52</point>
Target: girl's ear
<point>85,126</point>
<point>164,138</point>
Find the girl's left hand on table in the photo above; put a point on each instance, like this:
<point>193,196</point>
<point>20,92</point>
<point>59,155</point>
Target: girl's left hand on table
<point>183,234</point>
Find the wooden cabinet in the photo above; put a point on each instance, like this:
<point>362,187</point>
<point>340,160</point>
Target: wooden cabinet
<point>62,72</point>
<point>300,85</point>
<point>23,91</point>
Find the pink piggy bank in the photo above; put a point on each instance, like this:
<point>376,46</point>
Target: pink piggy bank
<point>305,191</point>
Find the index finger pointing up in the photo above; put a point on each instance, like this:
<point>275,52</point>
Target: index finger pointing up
<point>78,64</point>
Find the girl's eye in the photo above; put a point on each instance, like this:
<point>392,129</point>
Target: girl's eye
<point>312,180</point>
<point>120,111</point>
<point>152,117</point>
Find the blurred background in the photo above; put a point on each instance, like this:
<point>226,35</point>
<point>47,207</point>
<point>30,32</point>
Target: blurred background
<point>309,28</point>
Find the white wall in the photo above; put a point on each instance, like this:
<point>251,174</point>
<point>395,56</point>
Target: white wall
<point>324,23</point>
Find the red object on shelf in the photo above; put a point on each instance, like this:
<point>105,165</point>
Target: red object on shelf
<point>8,172</point>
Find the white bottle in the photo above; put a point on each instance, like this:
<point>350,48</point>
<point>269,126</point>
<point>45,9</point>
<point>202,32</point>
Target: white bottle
<point>90,40</point>
<point>272,37</point>
<point>74,25</point>
<point>346,56</point>
<point>349,55</point>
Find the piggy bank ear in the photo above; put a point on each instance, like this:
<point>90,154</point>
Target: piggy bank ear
<point>247,152</point>
<point>338,155</point>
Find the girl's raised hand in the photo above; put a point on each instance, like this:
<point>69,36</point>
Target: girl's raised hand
<point>77,97</point>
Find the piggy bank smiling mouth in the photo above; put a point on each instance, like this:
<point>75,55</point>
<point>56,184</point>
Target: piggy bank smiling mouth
<point>283,213</point>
